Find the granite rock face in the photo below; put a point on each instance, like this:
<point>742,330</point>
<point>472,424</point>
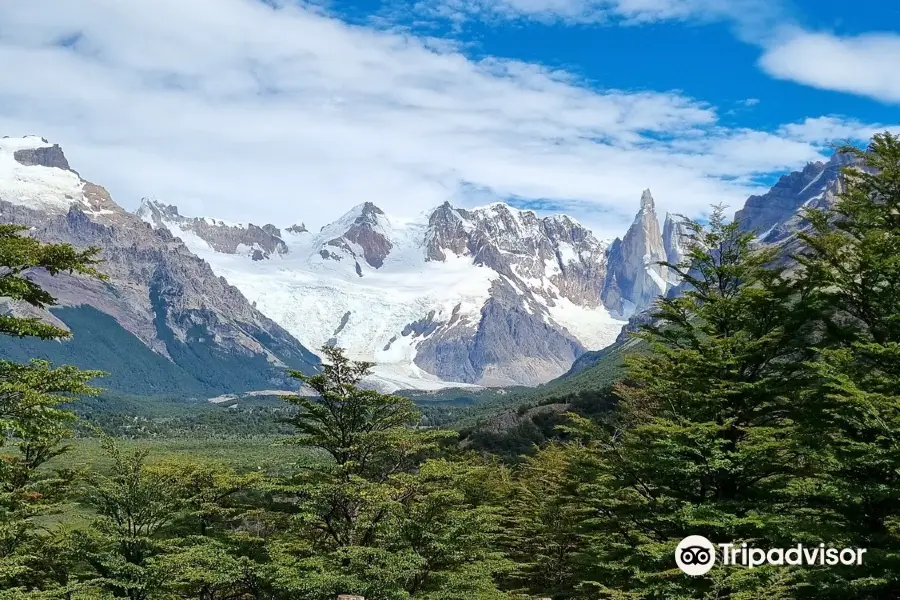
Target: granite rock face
<point>46,156</point>
<point>507,345</point>
<point>677,240</point>
<point>520,245</point>
<point>634,278</point>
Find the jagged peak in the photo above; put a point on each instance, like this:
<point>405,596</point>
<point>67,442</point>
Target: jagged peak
<point>152,204</point>
<point>675,219</point>
<point>368,208</point>
<point>445,208</point>
<point>814,166</point>
<point>154,211</point>
<point>365,213</point>
<point>842,158</point>
<point>565,219</point>
<point>500,207</point>
<point>647,201</point>
<point>361,221</point>
<point>647,211</point>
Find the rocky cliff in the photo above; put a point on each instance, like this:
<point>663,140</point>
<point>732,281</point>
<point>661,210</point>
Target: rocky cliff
<point>634,278</point>
<point>257,242</point>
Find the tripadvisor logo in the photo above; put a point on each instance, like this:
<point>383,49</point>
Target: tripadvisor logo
<point>696,555</point>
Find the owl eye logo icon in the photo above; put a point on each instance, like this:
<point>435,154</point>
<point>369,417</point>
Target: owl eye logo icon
<point>695,555</point>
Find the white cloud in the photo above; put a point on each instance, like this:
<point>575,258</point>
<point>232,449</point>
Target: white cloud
<point>866,65</point>
<point>836,129</point>
<point>634,11</point>
<point>753,20</point>
<point>232,109</point>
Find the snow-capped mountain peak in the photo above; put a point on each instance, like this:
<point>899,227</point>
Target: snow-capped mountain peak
<point>35,173</point>
<point>364,235</point>
<point>164,306</point>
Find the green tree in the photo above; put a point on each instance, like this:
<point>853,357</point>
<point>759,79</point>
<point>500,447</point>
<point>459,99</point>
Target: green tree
<point>32,423</point>
<point>135,505</point>
<point>544,522</point>
<point>377,516</point>
<point>853,416</point>
<point>211,496</point>
<point>704,440</point>
<point>450,529</point>
<point>210,555</point>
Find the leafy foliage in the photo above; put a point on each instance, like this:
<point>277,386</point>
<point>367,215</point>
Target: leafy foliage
<point>31,396</point>
<point>852,417</point>
<point>383,517</point>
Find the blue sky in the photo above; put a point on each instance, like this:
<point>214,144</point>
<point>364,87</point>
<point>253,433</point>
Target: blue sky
<point>282,111</point>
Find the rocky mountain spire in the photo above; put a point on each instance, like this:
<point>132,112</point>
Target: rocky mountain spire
<point>647,201</point>
<point>634,279</point>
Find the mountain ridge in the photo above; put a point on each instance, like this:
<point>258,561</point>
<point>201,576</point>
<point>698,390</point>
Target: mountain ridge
<point>158,291</point>
<point>454,275</point>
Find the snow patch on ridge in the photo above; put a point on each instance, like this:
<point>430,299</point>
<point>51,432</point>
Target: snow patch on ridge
<point>35,186</point>
<point>567,253</point>
<point>593,327</point>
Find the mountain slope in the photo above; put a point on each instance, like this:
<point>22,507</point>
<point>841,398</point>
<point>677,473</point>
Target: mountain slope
<point>158,291</point>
